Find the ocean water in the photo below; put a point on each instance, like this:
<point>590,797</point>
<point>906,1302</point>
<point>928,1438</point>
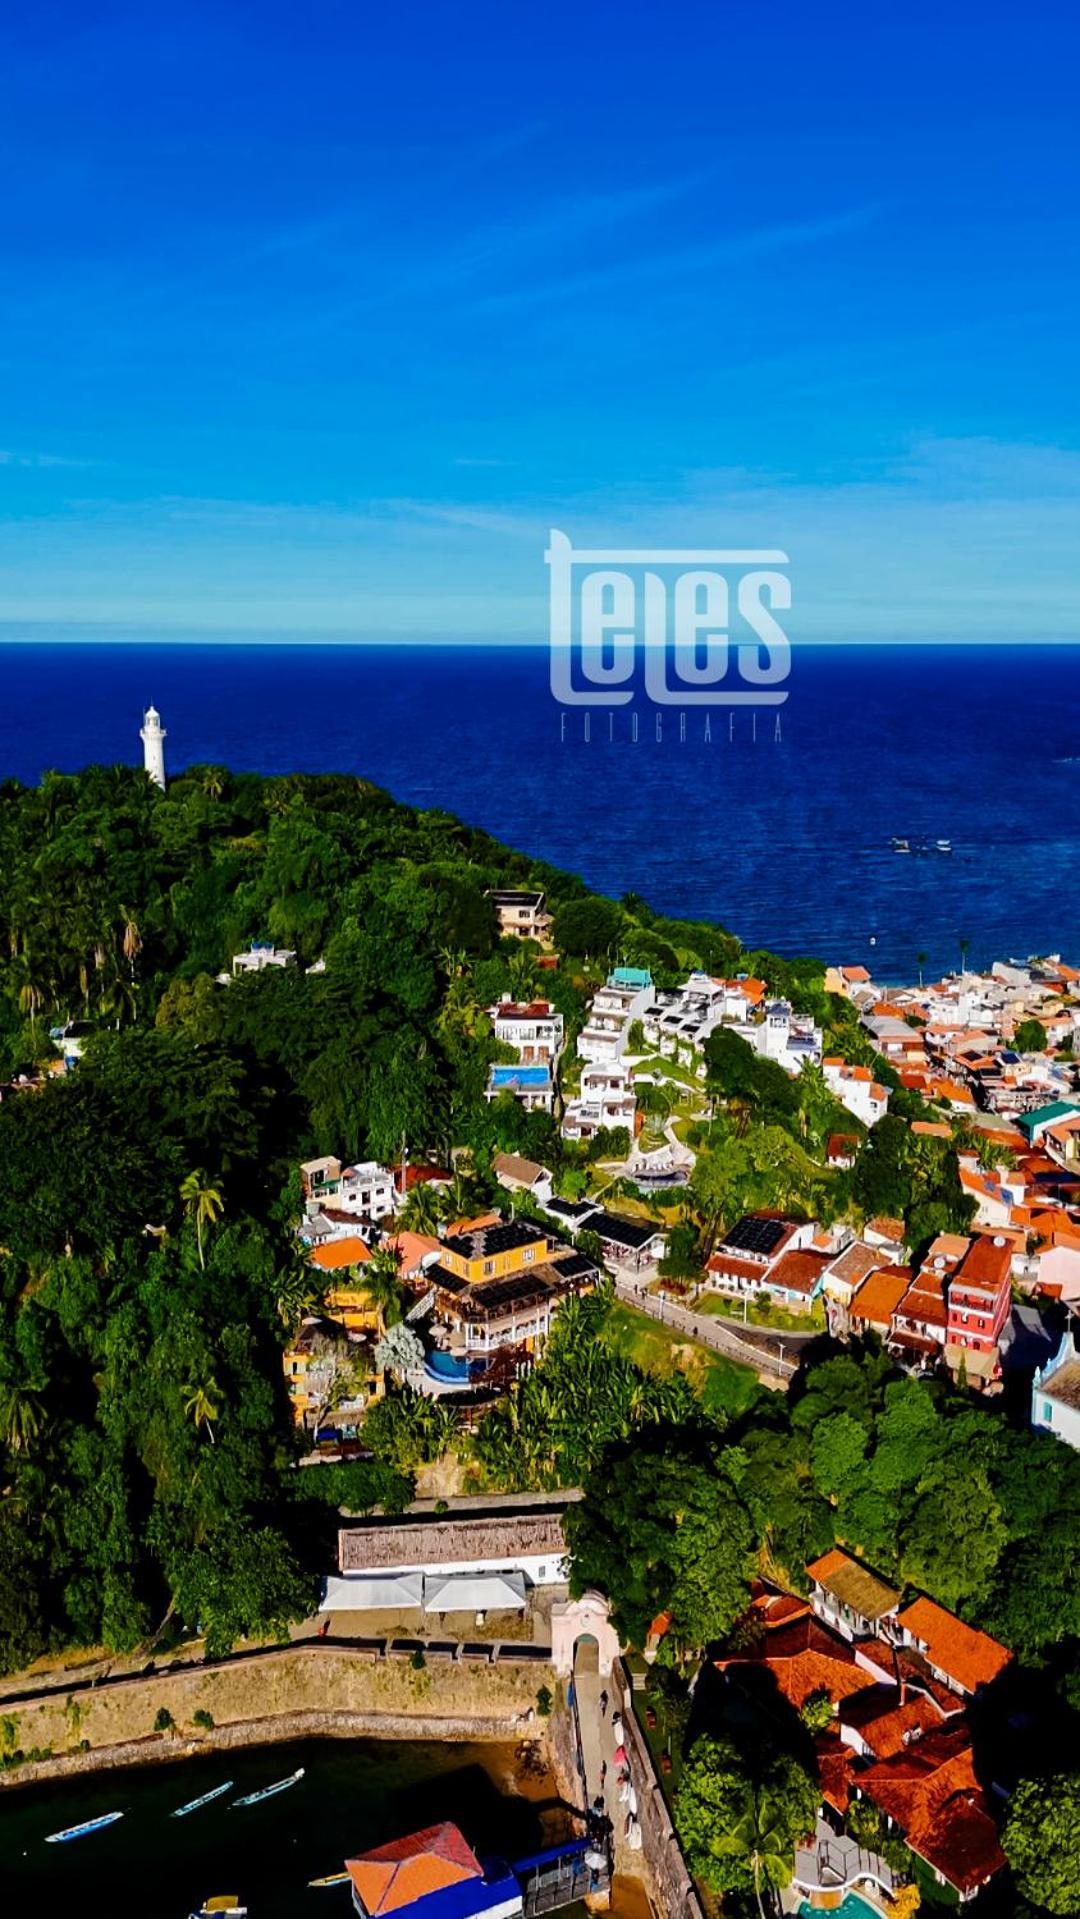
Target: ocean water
<point>783,839</point>
<point>355,1794</point>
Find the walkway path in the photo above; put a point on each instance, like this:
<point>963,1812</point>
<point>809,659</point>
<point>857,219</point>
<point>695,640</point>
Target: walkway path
<point>598,1751</point>
<point>763,1354</point>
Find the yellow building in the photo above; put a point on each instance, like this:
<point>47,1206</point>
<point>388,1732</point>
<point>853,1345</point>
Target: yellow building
<point>348,1300</point>
<point>492,1248</point>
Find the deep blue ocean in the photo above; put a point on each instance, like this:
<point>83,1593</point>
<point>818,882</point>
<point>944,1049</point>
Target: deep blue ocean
<point>784,840</point>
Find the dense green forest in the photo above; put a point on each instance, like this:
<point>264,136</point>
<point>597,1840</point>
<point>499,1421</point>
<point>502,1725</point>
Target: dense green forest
<point>147,1267</point>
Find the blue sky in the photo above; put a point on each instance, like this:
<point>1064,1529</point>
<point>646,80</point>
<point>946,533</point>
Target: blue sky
<point>315,319</point>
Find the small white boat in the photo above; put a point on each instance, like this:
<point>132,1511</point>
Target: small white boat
<point>943,846</point>
<point>194,1805</point>
<point>901,846</point>
<point>280,1785</point>
<point>79,1832</point>
<point>223,1906</point>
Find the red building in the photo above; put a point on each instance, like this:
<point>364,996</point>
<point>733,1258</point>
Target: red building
<point>979,1300</point>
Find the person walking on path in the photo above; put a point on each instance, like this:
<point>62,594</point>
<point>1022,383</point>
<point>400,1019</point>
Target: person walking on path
<point>603,1705</point>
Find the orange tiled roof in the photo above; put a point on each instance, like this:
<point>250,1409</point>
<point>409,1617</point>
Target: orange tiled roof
<point>412,1248</point>
<point>879,1296</point>
<point>968,1656</point>
<point>887,1228</point>
<point>930,1129</point>
<point>886,1725</point>
<point>340,1253</point>
<point>931,1791</point>
<point>395,1875</point>
<point>804,1659</point>
<point>986,1262</point>
<point>798,1271</point>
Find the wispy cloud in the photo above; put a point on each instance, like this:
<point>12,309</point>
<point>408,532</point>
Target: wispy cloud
<point>661,265</point>
<point>9,457</point>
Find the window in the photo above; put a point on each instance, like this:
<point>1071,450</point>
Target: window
<point>489,1268</point>
<point>1047,1415</point>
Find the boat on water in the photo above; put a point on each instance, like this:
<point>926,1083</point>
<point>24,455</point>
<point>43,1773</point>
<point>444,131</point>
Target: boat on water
<point>280,1785</point>
<point>222,1906</point>
<point>900,846</point>
<point>330,1879</point>
<point>205,1799</point>
<point>943,846</point>
<point>79,1832</point>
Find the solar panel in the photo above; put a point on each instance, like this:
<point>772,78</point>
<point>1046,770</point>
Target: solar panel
<point>755,1235</point>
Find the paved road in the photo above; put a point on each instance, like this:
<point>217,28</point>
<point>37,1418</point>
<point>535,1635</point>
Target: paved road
<point>766,1354</point>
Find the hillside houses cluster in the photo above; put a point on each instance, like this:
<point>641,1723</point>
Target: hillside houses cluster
<point>954,1040</point>
<point>898,1678</point>
<point>484,1287</point>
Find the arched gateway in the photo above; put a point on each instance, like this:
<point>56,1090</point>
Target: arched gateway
<point>574,1619</point>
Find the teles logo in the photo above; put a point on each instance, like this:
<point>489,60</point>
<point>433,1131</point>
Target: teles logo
<point>689,628</point>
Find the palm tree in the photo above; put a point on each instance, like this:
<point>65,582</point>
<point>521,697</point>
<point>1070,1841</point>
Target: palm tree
<point>299,1289</point>
<point>422,1210</point>
<point>203,1203</point>
<point>21,1417</point>
<point>760,1839</point>
<point>202,1405</point>
<point>381,1280</point>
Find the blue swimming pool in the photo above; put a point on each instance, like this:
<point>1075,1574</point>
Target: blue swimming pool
<point>851,1907</point>
<point>450,1367</point>
<point>520,1076</point>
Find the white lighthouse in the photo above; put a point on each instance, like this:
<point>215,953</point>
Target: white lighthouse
<point>152,735</point>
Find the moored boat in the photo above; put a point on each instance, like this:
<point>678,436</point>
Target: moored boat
<point>205,1799</point>
<point>943,846</point>
<point>900,846</point>
<point>280,1785</point>
<point>79,1832</point>
<point>222,1906</point>
<point>330,1879</point>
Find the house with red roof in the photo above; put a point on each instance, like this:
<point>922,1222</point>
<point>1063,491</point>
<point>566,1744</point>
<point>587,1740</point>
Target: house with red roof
<point>930,1794</point>
<point>857,1089</point>
<point>980,1294</point>
<point>958,1655</point>
<point>433,1874</point>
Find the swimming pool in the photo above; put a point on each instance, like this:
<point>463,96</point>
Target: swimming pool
<point>450,1367</point>
<point>851,1907</point>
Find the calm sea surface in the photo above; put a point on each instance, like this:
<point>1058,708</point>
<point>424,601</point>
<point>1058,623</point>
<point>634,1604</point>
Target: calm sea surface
<point>354,1795</point>
<point>785,841</point>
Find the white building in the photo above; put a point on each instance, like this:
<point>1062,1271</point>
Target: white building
<point>626,998</point>
<point>367,1190</point>
<point>857,1089</point>
<point>465,1563</point>
<point>789,1039</point>
<point>1055,1393</point>
<point>606,1099</point>
<point>687,1014</point>
<point>260,957</point>
<point>536,1030</point>
<point>153,737</point>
